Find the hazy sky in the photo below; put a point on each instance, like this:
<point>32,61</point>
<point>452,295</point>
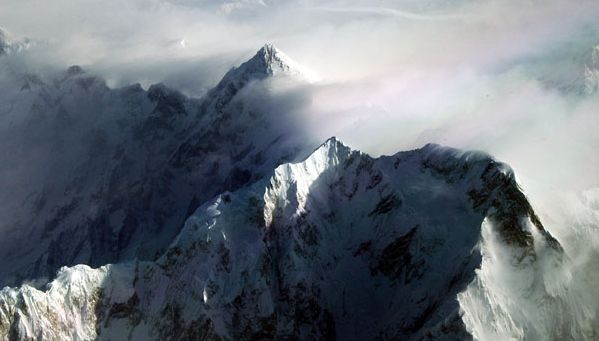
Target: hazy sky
<point>487,75</point>
<point>153,40</point>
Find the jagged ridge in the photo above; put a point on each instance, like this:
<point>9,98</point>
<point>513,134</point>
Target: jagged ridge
<point>128,166</point>
<point>340,245</point>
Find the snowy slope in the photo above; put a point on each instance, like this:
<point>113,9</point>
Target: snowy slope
<point>9,44</point>
<point>94,175</point>
<point>572,68</point>
<point>338,246</point>
<point>591,71</point>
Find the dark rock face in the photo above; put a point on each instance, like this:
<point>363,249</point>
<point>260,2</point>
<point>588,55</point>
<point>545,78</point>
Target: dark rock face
<point>323,249</point>
<point>340,246</point>
<point>121,168</point>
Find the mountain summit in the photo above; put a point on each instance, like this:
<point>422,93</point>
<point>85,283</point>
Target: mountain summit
<point>338,246</point>
<point>9,44</point>
<point>129,165</point>
<point>591,71</point>
<point>268,61</point>
<point>4,42</point>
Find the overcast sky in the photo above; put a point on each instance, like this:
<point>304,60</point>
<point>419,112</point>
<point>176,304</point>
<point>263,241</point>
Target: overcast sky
<point>153,40</point>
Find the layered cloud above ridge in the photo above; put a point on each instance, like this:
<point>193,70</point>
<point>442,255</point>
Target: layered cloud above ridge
<point>154,40</point>
<point>395,75</point>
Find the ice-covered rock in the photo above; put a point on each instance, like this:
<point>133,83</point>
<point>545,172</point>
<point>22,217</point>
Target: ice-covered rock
<point>95,175</point>
<point>9,44</point>
<point>591,71</point>
<point>338,246</point>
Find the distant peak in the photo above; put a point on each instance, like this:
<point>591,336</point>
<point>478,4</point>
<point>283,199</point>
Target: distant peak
<point>75,70</point>
<point>3,35</point>
<point>273,58</point>
<point>268,61</point>
<point>4,43</point>
<point>332,141</point>
<point>8,43</point>
<point>592,57</point>
<point>268,49</point>
<point>72,72</point>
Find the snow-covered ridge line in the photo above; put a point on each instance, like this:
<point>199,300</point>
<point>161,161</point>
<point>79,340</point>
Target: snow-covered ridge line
<point>591,71</point>
<point>9,44</point>
<point>127,165</point>
<point>339,245</point>
<point>67,308</point>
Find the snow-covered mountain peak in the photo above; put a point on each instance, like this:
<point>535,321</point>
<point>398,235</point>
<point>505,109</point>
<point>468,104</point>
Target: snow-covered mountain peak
<point>340,245</point>
<point>3,42</point>
<point>591,70</point>
<point>269,53</point>
<point>298,179</point>
<point>274,61</point>
<point>593,56</point>
<point>9,43</point>
<point>268,61</point>
<point>332,151</point>
<point>106,147</point>
<point>75,70</point>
